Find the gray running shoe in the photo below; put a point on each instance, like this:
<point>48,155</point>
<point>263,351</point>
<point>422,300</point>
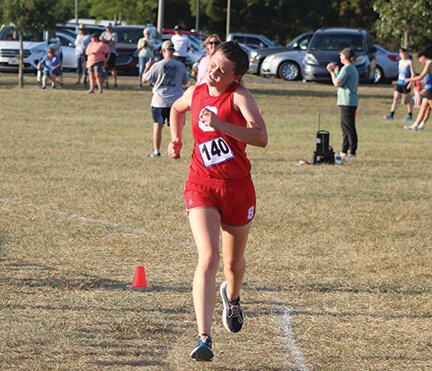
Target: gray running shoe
<point>232,316</point>
<point>203,350</point>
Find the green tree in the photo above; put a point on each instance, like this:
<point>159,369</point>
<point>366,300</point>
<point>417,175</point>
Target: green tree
<point>410,21</point>
<point>32,16</point>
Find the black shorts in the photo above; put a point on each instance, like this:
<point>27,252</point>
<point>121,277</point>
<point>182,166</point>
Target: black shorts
<point>97,67</point>
<point>112,61</point>
<point>160,114</point>
<point>402,89</point>
<point>427,94</point>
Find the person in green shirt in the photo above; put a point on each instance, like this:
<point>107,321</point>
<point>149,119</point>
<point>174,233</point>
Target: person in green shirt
<point>346,80</point>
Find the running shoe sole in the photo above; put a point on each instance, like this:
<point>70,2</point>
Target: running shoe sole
<point>202,353</point>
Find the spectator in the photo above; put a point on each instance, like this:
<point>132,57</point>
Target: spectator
<point>51,68</point>
<point>98,54</point>
<point>168,76</point>
<point>211,43</point>
<point>145,49</point>
<point>347,80</point>
<point>425,58</point>
<point>182,44</point>
<point>81,43</point>
<point>110,38</point>
<point>406,70</point>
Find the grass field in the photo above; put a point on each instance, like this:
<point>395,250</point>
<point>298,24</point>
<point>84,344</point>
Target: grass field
<point>339,272</point>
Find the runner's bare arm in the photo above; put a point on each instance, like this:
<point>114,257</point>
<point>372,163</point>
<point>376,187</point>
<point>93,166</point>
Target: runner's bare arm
<point>177,119</point>
<point>425,71</point>
<point>255,133</point>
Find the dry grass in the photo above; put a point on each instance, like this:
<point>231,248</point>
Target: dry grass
<point>346,249</point>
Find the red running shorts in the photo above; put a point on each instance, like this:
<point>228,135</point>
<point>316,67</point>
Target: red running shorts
<point>234,199</point>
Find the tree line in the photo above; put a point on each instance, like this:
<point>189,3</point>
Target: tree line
<point>394,23</point>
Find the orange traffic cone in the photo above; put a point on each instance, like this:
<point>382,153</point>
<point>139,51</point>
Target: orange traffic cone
<point>140,280</point>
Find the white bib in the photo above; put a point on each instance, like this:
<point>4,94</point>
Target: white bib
<point>215,151</point>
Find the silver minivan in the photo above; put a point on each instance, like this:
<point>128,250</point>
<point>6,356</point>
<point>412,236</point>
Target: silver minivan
<point>251,40</point>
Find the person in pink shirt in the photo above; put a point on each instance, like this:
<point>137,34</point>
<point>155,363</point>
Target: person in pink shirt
<point>98,54</point>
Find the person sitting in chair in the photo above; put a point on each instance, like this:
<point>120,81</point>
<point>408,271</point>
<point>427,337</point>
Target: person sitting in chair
<point>51,68</point>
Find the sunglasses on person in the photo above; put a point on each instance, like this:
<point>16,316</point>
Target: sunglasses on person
<point>213,43</point>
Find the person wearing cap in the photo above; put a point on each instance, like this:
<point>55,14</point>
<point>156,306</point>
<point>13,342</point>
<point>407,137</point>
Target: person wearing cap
<point>168,77</point>
<point>347,80</point>
<point>145,49</point>
<point>110,38</point>
<point>98,54</point>
<point>81,42</point>
<point>182,44</point>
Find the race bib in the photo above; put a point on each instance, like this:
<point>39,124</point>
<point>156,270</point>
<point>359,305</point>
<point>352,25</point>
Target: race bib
<point>215,151</point>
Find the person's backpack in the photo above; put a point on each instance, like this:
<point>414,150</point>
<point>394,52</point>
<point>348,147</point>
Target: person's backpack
<point>324,153</point>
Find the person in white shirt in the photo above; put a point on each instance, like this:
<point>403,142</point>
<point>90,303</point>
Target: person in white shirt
<point>182,44</point>
<point>81,43</point>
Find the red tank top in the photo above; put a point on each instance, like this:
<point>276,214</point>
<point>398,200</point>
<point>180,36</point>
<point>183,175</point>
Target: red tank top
<point>215,154</point>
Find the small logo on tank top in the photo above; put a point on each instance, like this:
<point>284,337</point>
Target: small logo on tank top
<point>201,124</point>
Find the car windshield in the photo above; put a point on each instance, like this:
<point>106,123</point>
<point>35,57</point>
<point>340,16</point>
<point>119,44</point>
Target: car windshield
<point>337,42</point>
<point>129,36</point>
<point>8,33</point>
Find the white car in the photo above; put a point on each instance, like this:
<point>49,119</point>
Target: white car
<point>35,48</point>
<point>69,61</point>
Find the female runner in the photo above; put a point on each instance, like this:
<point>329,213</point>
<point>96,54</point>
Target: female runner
<point>219,193</point>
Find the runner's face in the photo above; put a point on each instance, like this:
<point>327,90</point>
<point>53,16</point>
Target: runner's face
<point>220,70</point>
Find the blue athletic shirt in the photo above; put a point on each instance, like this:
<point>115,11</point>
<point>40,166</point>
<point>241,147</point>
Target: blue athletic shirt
<point>428,80</point>
<point>404,72</point>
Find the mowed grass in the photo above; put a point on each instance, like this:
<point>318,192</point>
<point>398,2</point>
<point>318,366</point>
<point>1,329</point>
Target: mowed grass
<point>339,272</point>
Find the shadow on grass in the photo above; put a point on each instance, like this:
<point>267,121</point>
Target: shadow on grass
<point>371,289</point>
<point>305,93</point>
<point>132,363</point>
<point>84,282</point>
<point>360,314</point>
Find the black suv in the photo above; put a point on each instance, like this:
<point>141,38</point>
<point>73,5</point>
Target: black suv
<point>327,43</point>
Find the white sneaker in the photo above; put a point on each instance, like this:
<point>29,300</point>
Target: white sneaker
<point>412,127</point>
<point>421,126</point>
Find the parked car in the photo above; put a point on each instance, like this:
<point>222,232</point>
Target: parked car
<point>194,55</point>
<point>67,42</point>
<point>252,40</point>
<point>325,46</point>
<point>129,34</point>
<point>387,65</point>
<point>257,56</point>
<point>35,48</point>
<point>71,29</point>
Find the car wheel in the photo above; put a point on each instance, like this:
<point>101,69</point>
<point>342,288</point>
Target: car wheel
<point>289,71</point>
<point>378,75</point>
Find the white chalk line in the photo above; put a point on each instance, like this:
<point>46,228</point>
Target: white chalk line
<point>292,344</point>
<point>85,219</point>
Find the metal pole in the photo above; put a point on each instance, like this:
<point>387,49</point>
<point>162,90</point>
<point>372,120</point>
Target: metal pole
<point>197,16</point>
<point>76,11</point>
<point>228,21</point>
<point>160,18</point>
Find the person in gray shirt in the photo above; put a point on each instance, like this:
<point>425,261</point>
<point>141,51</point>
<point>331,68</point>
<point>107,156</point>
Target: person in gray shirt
<point>168,77</point>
